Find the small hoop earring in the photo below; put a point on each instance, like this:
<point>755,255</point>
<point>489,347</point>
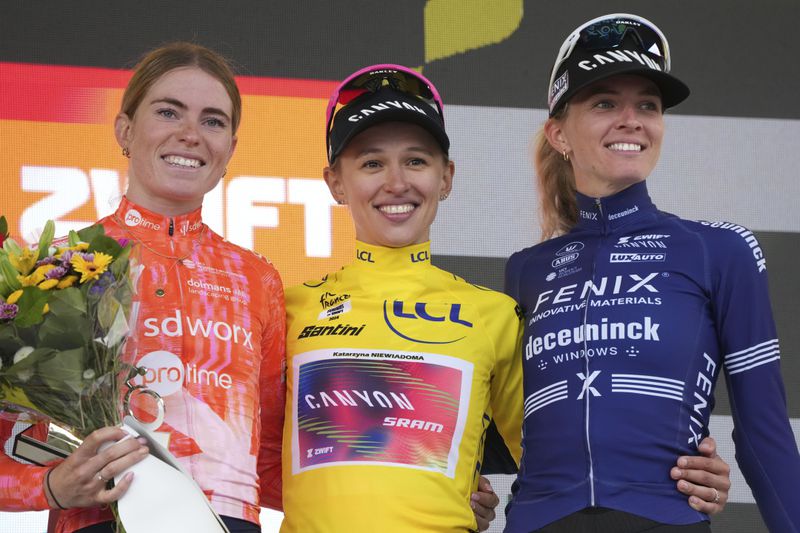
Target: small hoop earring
<point>565,155</point>
<point>225,172</point>
<point>126,152</point>
<point>340,201</point>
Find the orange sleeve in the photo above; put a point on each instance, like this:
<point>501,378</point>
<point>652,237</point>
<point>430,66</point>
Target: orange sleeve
<point>21,485</point>
<point>272,390</point>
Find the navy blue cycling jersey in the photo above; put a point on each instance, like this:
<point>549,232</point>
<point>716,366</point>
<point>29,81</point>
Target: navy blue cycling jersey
<point>629,320</point>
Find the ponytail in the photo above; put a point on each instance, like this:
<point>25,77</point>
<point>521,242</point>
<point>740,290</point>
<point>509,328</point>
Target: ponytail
<point>556,186</point>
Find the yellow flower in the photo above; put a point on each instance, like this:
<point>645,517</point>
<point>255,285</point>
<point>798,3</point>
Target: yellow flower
<point>67,281</point>
<point>14,296</point>
<point>80,247</point>
<point>48,284</point>
<point>45,309</point>
<point>24,263</point>
<point>91,269</point>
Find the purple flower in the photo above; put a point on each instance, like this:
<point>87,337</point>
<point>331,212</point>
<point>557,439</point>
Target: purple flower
<point>66,256</point>
<point>56,273</point>
<point>102,283</point>
<point>123,241</point>
<point>8,311</point>
<point>49,260</point>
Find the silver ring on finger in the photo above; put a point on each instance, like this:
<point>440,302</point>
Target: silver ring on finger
<point>716,496</point>
<point>104,480</point>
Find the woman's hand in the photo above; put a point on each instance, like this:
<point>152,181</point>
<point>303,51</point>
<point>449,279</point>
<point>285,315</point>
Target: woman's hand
<point>705,478</point>
<point>82,479</point>
<point>483,503</point>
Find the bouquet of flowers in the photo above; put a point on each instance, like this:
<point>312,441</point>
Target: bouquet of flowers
<point>65,312</point>
<point>64,315</point>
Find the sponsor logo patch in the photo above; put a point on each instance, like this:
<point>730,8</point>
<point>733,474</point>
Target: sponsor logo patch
<point>134,218</point>
<point>324,331</point>
<point>634,257</point>
<point>402,318</point>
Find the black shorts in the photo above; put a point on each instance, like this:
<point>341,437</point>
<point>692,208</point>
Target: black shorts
<point>602,520</point>
<point>235,525</point>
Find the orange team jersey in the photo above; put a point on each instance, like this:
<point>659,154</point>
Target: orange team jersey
<point>211,333</point>
<point>395,369</point>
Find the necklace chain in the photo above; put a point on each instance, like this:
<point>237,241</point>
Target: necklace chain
<point>177,259</point>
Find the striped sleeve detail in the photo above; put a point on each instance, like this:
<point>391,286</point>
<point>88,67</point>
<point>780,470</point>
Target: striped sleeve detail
<point>757,355</point>
<point>648,385</point>
<point>545,396</point>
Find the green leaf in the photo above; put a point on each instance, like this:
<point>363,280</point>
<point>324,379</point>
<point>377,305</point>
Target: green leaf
<point>107,245</point>
<point>89,234</point>
<point>17,371</point>
<point>73,239</point>
<point>62,334</point>
<point>3,227</point>
<point>66,325</point>
<point>46,238</point>
<point>9,275</point>
<point>64,371</point>
<point>121,263</point>
<point>11,246</point>
<point>9,343</point>
<point>31,306</point>
<point>67,302</point>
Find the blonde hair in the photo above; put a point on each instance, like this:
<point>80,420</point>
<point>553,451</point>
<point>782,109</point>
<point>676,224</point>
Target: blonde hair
<point>556,186</point>
<point>178,55</point>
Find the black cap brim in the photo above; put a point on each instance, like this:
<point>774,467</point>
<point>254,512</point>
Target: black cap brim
<point>385,105</point>
<point>673,91</point>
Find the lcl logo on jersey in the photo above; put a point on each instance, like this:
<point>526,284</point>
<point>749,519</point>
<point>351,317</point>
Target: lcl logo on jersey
<point>401,316</point>
<point>364,255</point>
<point>420,257</point>
<point>567,254</point>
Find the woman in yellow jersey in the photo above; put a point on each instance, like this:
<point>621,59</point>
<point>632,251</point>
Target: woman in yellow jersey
<point>395,367</point>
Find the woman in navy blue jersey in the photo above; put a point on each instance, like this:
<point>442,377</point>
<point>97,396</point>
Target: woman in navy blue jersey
<point>631,314</point>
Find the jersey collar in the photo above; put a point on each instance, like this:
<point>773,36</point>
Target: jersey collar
<point>384,258</point>
<point>142,221</point>
<point>617,210</point>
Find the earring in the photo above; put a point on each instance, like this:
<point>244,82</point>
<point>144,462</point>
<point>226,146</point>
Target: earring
<point>565,155</point>
<point>126,152</point>
<point>225,172</point>
<point>340,201</point>
<point>443,197</point>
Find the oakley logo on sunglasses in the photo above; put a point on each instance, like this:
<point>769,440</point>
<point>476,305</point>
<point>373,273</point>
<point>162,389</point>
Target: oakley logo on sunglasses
<point>383,106</point>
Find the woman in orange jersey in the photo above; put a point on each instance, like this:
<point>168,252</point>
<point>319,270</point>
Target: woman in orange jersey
<point>211,317</point>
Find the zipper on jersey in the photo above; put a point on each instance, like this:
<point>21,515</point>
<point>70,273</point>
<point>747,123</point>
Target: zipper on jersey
<point>587,400</point>
<point>171,227</point>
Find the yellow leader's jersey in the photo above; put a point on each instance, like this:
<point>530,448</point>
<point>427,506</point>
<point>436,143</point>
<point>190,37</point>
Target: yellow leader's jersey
<point>395,369</point>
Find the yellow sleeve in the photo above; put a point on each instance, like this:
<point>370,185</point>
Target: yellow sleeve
<point>506,388</point>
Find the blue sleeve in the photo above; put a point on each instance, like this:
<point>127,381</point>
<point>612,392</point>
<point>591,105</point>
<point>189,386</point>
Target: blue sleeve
<point>766,450</point>
<point>512,276</point>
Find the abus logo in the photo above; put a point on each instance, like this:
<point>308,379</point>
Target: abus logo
<point>166,374</point>
<point>565,260</point>
<point>570,248</point>
<point>134,218</point>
